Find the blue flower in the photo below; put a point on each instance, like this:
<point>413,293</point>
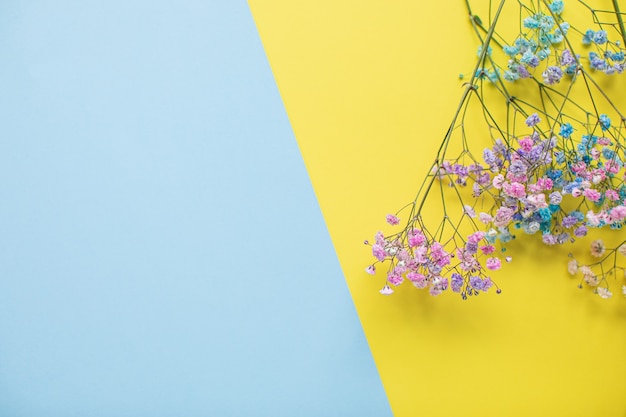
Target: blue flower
<point>605,122</point>
<point>543,54</point>
<point>557,6</point>
<point>511,76</point>
<point>600,37</point>
<point>529,59</point>
<point>608,153</point>
<point>511,50</point>
<point>617,56</point>
<point>546,23</point>
<point>588,37</point>
<point>531,23</point>
<point>480,50</point>
<point>566,130</point>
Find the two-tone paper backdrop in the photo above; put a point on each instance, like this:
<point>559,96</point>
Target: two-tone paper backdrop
<point>162,252</point>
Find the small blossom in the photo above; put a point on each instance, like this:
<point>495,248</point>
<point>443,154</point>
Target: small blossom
<point>469,210</point>
<point>624,290</point>
<point>622,250</point>
<point>533,120</point>
<point>386,290</point>
<point>392,219</point>
<point>604,293</point>
<point>605,122</point>
<point>552,75</point>
<point>591,280</point>
<point>371,269</point>
<point>572,267</point>
<point>493,263</point>
<point>566,130</point>
<point>597,248</point>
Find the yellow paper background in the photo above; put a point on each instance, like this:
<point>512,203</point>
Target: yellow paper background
<point>370,89</point>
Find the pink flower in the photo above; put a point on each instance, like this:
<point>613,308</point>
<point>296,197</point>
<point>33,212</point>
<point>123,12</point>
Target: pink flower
<point>469,210</point>
<point>485,218</point>
<point>476,237</point>
<point>611,195</point>
<point>420,255</point>
<point>379,252</point>
<point>493,263</point>
<point>592,219</point>
<point>392,219</point>
<point>537,200</point>
<point>618,213</point>
<point>611,167</point>
<point>420,281</point>
<point>503,216</point>
<point>576,192</point>
<point>416,238</point>
<point>371,269</point>
<point>514,189</point>
<point>604,141</point>
<point>592,194</point>
<point>394,278</point>
<point>497,182</point>
<point>488,249</point>
<point>526,144</point>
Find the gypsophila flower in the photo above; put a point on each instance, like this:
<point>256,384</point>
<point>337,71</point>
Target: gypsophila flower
<point>597,248</point>
<point>533,120</point>
<point>386,290</point>
<point>604,292</point>
<point>572,267</point>
<point>552,75</point>
<point>605,121</point>
<point>392,219</point>
<point>566,130</point>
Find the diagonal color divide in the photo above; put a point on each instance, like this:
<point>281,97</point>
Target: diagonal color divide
<point>370,88</point>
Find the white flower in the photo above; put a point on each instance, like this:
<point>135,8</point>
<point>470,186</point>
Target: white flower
<point>604,292</point>
<point>624,290</point>
<point>386,290</point>
<point>572,267</point>
<point>591,280</point>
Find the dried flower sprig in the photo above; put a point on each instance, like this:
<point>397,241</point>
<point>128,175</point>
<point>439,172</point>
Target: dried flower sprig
<point>558,174</point>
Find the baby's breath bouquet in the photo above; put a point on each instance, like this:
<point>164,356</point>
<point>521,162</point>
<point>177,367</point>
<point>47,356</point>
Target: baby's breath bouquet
<point>546,164</point>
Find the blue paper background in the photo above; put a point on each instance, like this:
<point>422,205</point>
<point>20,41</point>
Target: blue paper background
<point>161,248</point>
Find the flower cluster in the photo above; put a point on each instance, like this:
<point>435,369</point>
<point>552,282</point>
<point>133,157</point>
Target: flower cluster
<point>556,178</point>
<point>541,49</point>
<point>554,187</point>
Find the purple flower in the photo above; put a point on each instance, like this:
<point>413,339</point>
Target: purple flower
<point>580,231</point>
<point>533,120</point>
<point>552,75</point>
<point>476,283</point>
<point>456,282</point>
<point>567,58</point>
